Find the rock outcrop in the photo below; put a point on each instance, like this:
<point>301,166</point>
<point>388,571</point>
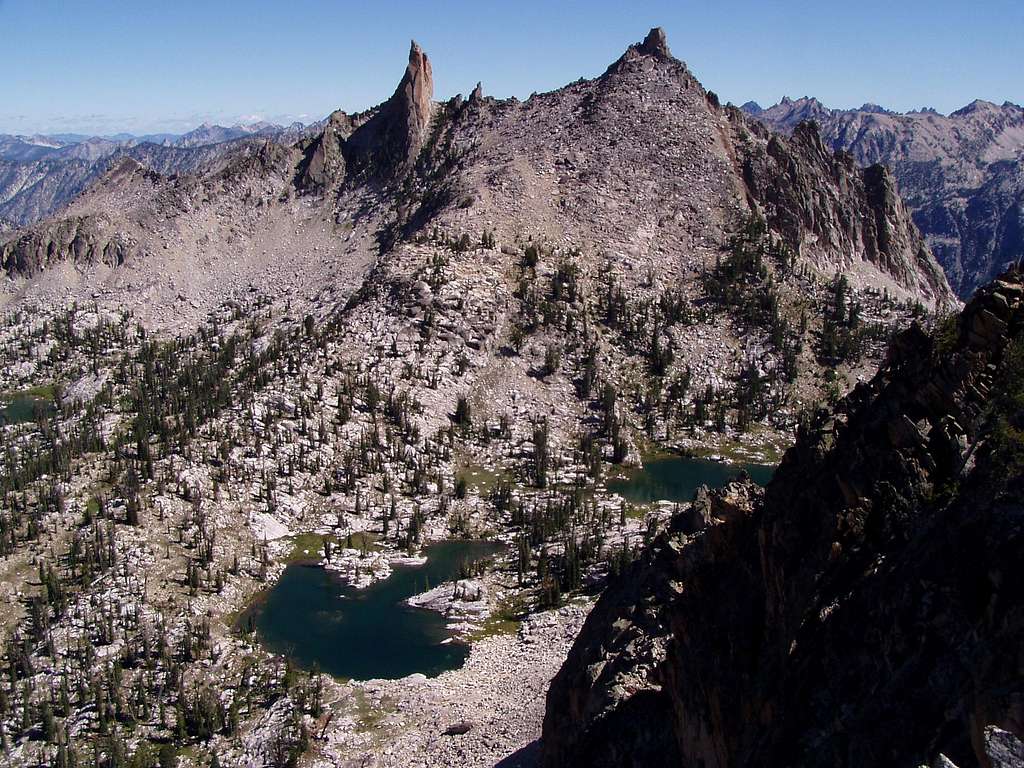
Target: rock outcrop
<point>655,44</point>
<point>84,241</point>
<point>857,215</point>
<point>380,144</point>
<point>866,611</point>
<point>961,174</point>
<point>388,143</point>
<point>323,163</point>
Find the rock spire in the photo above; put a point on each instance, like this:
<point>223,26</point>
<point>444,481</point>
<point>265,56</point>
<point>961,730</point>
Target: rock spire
<point>655,44</point>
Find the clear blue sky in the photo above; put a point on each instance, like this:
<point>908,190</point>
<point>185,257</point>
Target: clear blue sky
<point>100,66</point>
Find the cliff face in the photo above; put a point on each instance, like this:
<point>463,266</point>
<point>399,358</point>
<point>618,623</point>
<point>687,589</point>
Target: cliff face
<point>866,611</point>
<point>960,174</point>
<point>388,143</point>
<point>86,241</point>
<point>857,214</point>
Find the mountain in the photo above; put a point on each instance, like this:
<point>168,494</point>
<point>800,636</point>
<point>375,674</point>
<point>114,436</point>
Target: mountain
<point>40,174</point>
<point>425,321</point>
<point>865,609</point>
<point>960,174</point>
<point>215,134</point>
<point>27,148</point>
<point>640,174</point>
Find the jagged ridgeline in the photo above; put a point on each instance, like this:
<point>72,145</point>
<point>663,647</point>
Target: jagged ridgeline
<point>864,610</point>
<point>714,236</point>
<point>960,173</point>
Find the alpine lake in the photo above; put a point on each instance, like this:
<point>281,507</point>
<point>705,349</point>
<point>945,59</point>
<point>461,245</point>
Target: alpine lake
<point>677,478</point>
<point>316,619</point>
<point>22,407</point>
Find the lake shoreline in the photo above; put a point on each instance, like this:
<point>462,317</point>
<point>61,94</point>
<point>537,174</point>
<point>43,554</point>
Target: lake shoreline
<point>314,616</point>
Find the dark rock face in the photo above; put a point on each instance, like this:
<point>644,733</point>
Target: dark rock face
<point>323,157</point>
<point>866,611</point>
<point>84,241</point>
<point>962,175</point>
<point>381,144</point>
<point>655,44</point>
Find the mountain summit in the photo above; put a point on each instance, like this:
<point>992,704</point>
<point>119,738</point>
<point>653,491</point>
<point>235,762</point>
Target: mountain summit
<point>390,140</point>
<point>655,44</point>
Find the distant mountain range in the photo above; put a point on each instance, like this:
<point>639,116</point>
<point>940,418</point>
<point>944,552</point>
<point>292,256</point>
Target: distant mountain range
<point>39,174</point>
<point>961,174</point>
<point>22,147</point>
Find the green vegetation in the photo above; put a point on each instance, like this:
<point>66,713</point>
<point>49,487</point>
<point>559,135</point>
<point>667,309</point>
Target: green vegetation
<point>370,717</point>
<point>41,391</point>
<point>946,334</point>
<point>505,619</point>
<point>315,546</point>
<point>745,283</point>
<point>1008,411</point>
<point>480,479</point>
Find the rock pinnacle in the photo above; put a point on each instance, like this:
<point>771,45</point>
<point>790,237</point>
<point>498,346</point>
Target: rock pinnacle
<point>655,44</point>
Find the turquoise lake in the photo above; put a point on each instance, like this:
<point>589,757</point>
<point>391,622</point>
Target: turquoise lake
<point>677,478</point>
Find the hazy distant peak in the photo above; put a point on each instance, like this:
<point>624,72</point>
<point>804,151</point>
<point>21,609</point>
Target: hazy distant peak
<point>978,105</point>
<point>875,109</point>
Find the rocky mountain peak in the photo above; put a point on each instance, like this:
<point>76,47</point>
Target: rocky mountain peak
<point>417,87</point>
<point>978,105</point>
<point>655,44</point>
<point>876,109</point>
<point>389,141</point>
<point>650,53</point>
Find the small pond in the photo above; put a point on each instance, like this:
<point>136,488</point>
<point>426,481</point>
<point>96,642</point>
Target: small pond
<point>677,478</point>
<point>313,617</point>
<point>23,408</point>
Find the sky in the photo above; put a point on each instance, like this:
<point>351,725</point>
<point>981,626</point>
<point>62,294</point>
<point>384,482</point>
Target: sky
<point>105,66</point>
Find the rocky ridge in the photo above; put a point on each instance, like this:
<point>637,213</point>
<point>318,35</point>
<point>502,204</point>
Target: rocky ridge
<point>961,174</point>
<point>862,611</point>
<point>781,176</point>
<point>39,175</point>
